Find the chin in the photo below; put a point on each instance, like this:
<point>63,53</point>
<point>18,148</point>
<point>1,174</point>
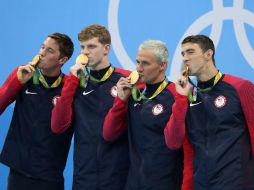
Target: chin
<point>142,80</point>
<point>39,67</point>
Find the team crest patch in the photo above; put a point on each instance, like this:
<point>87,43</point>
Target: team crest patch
<point>113,91</point>
<point>55,99</point>
<point>157,109</point>
<point>220,101</point>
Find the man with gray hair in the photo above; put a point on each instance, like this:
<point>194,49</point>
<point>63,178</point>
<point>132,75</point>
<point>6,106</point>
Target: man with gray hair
<point>144,110</point>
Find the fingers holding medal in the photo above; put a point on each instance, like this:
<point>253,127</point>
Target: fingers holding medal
<point>185,75</point>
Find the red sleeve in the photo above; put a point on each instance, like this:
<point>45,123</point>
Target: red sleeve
<point>174,131</point>
<point>188,165</point>
<point>9,90</point>
<point>115,122</point>
<point>247,102</point>
<point>245,89</point>
<point>62,113</point>
<point>122,71</point>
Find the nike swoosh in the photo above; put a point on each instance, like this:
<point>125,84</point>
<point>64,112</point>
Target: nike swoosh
<point>191,104</point>
<point>136,104</point>
<point>86,93</point>
<point>28,92</point>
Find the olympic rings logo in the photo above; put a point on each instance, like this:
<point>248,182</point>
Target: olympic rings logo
<point>215,18</point>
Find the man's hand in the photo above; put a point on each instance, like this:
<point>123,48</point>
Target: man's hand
<point>25,73</point>
<point>78,67</point>
<point>182,85</point>
<point>124,88</point>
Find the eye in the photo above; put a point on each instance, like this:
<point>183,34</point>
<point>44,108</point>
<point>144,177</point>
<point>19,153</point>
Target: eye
<point>91,46</point>
<point>145,63</point>
<point>191,51</point>
<point>82,47</point>
<point>50,50</point>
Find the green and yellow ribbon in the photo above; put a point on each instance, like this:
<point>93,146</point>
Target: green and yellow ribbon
<point>192,96</point>
<point>137,95</point>
<point>38,77</point>
<point>83,79</point>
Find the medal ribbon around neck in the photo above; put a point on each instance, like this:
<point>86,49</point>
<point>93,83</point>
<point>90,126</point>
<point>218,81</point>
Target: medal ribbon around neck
<point>39,77</point>
<point>83,79</point>
<point>138,96</point>
<point>192,96</point>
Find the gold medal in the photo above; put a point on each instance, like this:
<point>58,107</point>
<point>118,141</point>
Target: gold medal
<point>35,61</point>
<point>82,59</point>
<point>134,77</point>
<point>186,71</point>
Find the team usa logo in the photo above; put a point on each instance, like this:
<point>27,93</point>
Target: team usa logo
<point>157,109</point>
<point>113,91</point>
<point>55,99</point>
<point>220,101</point>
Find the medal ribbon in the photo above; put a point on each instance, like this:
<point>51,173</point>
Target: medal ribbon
<point>83,79</point>
<point>138,96</point>
<point>39,77</point>
<point>192,96</point>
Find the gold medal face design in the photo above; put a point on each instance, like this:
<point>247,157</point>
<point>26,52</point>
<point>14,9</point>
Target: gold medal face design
<point>82,59</point>
<point>134,77</point>
<point>35,61</point>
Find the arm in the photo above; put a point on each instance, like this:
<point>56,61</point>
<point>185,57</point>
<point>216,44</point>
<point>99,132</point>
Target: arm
<point>246,92</point>
<point>174,131</point>
<point>9,90</point>
<point>62,113</point>
<point>188,165</point>
<point>115,122</point>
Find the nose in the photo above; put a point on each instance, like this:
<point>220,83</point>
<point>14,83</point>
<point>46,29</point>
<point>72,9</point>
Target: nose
<point>42,52</point>
<point>85,51</point>
<point>139,67</point>
<point>185,58</point>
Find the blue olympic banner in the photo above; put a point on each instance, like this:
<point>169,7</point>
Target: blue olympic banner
<point>25,24</point>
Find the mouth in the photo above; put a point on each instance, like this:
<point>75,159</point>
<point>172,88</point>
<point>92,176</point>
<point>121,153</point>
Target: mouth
<point>140,75</point>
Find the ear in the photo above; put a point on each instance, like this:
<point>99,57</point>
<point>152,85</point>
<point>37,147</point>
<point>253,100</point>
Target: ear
<point>106,49</point>
<point>63,60</point>
<point>163,66</point>
<point>209,54</point>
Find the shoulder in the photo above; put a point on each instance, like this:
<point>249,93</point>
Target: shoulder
<point>70,78</point>
<point>237,82</point>
<point>65,77</point>
<point>171,87</point>
<point>122,71</point>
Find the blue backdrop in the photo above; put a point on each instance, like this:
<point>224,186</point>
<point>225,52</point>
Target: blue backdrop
<point>25,24</point>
